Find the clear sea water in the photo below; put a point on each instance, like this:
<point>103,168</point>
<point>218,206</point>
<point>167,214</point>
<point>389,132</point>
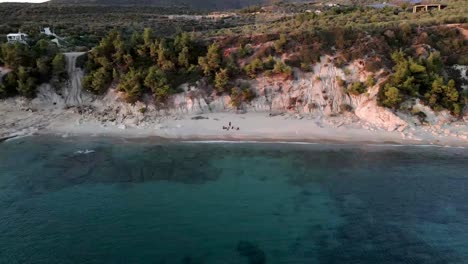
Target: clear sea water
<point>104,200</point>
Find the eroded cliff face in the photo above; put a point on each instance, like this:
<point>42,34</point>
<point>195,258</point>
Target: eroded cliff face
<point>316,94</point>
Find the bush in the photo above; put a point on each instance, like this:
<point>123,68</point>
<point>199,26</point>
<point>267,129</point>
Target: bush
<point>240,95</point>
<point>391,97</point>
<point>244,51</point>
<point>280,43</point>
<point>254,68</point>
<point>341,83</point>
<point>370,81</point>
<point>131,85</point>
<point>59,66</point>
<point>281,68</point>
<point>421,78</point>
<point>221,80</point>
<point>156,80</point>
<point>97,81</point>
<point>357,88</point>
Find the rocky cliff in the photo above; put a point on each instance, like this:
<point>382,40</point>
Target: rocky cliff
<point>315,94</point>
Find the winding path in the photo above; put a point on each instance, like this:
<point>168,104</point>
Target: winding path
<point>72,92</point>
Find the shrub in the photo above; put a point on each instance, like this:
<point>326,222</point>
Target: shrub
<point>280,43</point>
<point>97,81</point>
<point>281,68</point>
<point>131,85</point>
<point>391,97</point>
<point>254,68</point>
<point>357,88</point>
<point>240,95</point>
<point>59,65</point>
<point>341,83</point>
<point>370,81</point>
<point>221,80</point>
<point>244,51</point>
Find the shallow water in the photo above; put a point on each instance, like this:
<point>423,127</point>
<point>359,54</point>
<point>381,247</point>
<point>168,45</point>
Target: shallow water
<point>116,201</point>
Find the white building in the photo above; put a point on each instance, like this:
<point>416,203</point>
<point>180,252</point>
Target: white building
<point>46,31</point>
<point>17,37</point>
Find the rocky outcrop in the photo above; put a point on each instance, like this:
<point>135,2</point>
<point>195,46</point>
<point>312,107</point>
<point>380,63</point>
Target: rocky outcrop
<point>318,93</point>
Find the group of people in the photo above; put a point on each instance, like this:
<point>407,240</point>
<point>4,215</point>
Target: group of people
<point>230,126</point>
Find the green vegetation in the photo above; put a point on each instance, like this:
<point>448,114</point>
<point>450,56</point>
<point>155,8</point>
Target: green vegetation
<point>421,78</point>
<point>254,68</point>
<point>221,80</point>
<point>257,41</point>
<point>30,66</point>
<point>341,83</point>
<point>281,43</point>
<point>357,88</point>
<point>240,95</point>
<point>144,63</point>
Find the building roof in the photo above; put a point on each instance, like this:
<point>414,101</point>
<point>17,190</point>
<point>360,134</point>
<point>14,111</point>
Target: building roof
<point>16,34</point>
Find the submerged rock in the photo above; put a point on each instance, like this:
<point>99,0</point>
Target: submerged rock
<point>252,252</point>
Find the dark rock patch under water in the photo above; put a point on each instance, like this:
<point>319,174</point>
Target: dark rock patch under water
<point>252,252</point>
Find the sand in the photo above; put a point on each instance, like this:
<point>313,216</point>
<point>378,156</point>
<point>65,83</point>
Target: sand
<point>17,120</point>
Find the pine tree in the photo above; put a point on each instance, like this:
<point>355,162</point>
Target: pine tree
<point>26,83</point>
<point>221,80</point>
<point>184,58</point>
<point>158,83</point>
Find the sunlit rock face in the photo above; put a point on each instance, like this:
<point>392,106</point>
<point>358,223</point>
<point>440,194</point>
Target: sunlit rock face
<point>317,93</point>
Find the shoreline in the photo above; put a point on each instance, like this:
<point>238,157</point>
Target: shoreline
<point>221,140</point>
<point>204,127</point>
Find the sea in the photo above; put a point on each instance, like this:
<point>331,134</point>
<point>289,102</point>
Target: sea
<point>114,200</point>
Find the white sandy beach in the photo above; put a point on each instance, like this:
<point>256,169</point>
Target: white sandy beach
<point>17,121</point>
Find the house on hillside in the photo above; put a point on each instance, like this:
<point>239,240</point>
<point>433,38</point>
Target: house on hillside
<point>46,31</point>
<point>55,39</point>
<point>17,38</point>
<point>428,7</point>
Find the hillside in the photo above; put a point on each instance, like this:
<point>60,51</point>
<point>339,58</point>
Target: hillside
<point>199,4</point>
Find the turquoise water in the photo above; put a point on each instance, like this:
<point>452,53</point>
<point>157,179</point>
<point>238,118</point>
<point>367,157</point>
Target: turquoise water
<point>114,201</point>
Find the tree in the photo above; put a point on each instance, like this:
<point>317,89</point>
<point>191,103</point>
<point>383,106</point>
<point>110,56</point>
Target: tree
<point>164,55</point>
<point>221,80</point>
<point>420,78</point>
<point>9,84</point>
<point>97,81</point>
<point>183,59</point>
<point>59,65</point>
<point>130,83</point>
<point>212,62</point>
<point>156,80</point>
<point>26,83</point>
<point>392,97</point>
<point>183,40</point>
<point>148,35</point>
<point>253,68</point>
<point>43,68</point>
<point>14,55</point>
